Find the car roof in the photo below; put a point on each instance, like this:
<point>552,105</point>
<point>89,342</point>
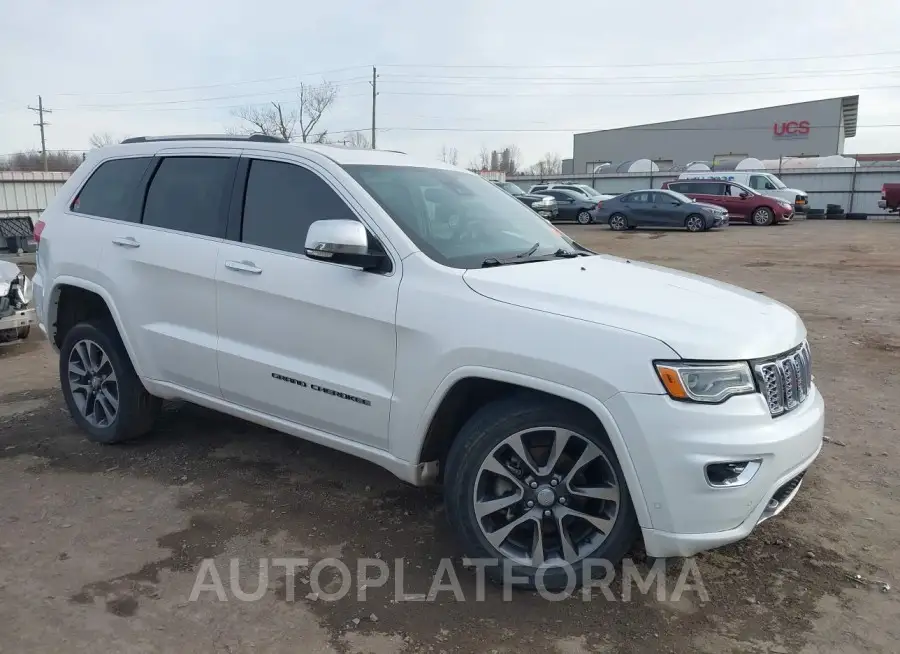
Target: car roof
<point>339,154</point>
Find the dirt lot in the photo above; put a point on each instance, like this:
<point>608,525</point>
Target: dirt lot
<point>100,546</point>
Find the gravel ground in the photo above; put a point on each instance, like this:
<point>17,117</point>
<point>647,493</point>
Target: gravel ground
<point>100,547</point>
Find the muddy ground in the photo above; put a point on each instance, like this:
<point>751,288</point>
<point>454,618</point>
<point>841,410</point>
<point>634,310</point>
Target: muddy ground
<point>100,547</point>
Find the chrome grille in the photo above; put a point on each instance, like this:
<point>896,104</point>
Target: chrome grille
<point>785,380</point>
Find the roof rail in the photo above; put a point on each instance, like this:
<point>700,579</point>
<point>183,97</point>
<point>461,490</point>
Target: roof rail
<point>262,138</point>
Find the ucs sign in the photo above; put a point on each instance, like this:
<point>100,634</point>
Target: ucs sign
<point>791,129</point>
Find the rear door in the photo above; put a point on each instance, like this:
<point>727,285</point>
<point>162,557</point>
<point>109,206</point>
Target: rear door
<point>637,208</point>
<point>162,270</point>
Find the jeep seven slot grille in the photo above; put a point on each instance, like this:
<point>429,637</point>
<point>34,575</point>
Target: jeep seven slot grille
<point>785,380</point>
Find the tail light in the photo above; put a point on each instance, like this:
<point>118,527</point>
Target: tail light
<point>883,191</point>
<point>38,228</point>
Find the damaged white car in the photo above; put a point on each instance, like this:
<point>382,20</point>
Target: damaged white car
<point>16,310</point>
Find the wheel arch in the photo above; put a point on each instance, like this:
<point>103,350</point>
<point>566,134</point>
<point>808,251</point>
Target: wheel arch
<point>467,389</point>
<point>62,286</point>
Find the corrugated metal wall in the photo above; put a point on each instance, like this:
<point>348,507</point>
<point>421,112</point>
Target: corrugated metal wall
<point>28,193</point>
<point>857,190</point>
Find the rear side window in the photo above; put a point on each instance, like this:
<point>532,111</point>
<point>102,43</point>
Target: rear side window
<point>188,193</point>
<point>708,188</point>
<point>682,187</point>
<point>637,197</point>
<point>281,202</point>
<point>109,192</point>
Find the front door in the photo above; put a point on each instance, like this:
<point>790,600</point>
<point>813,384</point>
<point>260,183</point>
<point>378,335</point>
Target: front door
<point>302,339</point>
<point>567,207</point>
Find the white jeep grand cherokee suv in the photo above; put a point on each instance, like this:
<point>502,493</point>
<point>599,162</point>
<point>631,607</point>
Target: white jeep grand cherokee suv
<point>415,315</point>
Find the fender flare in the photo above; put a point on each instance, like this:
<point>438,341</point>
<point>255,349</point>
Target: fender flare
<point>52,303</point>
<point>589,402</point>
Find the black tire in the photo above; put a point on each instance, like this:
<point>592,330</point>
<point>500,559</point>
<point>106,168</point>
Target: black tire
<point>584,218</point>
<point>23,332</point>
<point>857,216</point>
<point>616,225</point>
<point>476,440</point>
<point>762,216</point>
<point>815,214</point>
<point>137,409</point>
<point>835,216</point>
<point>691,223</point>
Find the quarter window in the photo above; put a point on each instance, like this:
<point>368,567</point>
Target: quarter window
<point>281,202</point>
<point>188,194</point>
<point>109,192</point>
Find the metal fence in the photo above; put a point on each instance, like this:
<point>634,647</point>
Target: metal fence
<point>856,189</point>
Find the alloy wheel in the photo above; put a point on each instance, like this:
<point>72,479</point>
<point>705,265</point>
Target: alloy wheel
<point>583,218</point>
<point>694,224</point>
<point>618,222</point>
<point>546,497</point>
<point>93,383</point>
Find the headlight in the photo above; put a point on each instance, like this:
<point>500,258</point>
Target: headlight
<point>4,289</point>
<point>705,382</point>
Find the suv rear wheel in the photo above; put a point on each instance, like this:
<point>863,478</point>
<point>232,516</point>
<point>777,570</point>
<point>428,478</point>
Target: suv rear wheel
<point>537,488</point>
<point>102,391</point>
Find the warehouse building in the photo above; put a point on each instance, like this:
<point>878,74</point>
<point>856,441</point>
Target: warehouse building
<point>815,128</point>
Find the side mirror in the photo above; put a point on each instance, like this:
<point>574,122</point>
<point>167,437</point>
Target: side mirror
<point>743,195</point>
<point>342,241</point>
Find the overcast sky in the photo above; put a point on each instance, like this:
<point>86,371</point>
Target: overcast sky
<point>163,67</point>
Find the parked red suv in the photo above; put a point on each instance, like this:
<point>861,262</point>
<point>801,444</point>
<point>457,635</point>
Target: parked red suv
<point>743,204</point>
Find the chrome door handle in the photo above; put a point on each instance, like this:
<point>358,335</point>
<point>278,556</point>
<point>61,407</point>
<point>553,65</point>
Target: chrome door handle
<point>126,242</point>
<point>243,266</point>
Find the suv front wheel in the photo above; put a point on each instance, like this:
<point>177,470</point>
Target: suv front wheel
<point>102,391</point>
<point>536,490</point>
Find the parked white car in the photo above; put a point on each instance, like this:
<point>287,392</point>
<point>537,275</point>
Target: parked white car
<point>761,182</point>
<point>568,401</point>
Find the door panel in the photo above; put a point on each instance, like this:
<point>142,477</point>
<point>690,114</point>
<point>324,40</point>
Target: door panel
<point>308,341</point>
<point>301,339</point>
<point>163,277</point>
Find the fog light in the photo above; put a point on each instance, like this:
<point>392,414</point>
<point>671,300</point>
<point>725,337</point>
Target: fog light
<point>732,473</point>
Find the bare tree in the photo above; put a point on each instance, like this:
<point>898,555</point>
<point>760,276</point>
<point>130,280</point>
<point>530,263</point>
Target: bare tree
<point>314,102</point>
<point>291,122</point>
<point>484,158</point>
<point>449,155</point>
<point>274,120</point>
<point>356,140</point>
<point>102,139</point>
<point>550,164</point>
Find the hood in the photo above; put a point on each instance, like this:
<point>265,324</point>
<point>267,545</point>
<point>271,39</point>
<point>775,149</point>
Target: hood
<point>699,318</point>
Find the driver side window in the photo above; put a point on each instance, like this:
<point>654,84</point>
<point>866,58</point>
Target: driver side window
<point>758,182</point>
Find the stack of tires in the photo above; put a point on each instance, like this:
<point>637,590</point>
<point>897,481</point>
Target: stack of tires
<point>815,214</point>
<point>834,212</point>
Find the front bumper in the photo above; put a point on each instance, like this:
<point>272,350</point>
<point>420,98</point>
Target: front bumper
<point>800,207</point>
<point>671,443</point>
<point>784,216</point>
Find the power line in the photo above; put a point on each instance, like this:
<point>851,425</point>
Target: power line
<point>705,62</point>
<point>630,79</point>
<point>616,95</point>
<point>41,110</point>
<point>216,85</point>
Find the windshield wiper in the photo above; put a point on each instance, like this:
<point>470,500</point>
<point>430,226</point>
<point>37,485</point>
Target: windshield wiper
<point>528,257</point>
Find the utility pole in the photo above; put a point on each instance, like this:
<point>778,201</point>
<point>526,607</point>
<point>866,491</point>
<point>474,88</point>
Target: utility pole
<point>374,94</point>
<point>40,112</point>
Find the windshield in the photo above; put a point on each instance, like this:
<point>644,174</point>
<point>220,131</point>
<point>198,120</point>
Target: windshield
<point>456,218</point>
<point>510,188</point>
<point>777,182</point>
